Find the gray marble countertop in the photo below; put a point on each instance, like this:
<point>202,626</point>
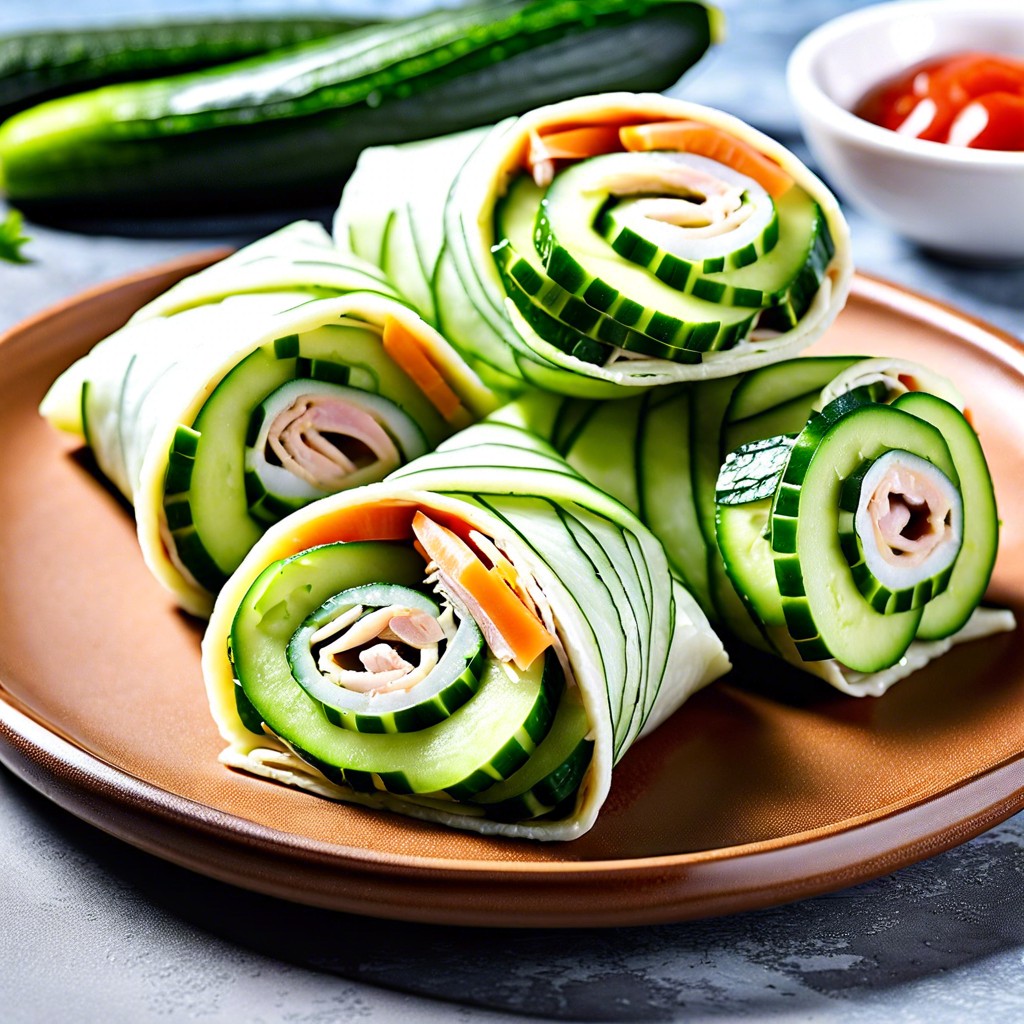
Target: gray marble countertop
<point>92,930</point>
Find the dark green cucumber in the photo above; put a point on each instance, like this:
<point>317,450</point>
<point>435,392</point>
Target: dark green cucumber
<point>37,66</point>
<point>486,740</point>
<point>451,682</point>
<point>222,139</point>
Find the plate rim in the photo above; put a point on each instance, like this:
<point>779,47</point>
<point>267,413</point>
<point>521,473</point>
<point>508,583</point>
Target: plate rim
<point>113,799</point>
<point>165,824</point>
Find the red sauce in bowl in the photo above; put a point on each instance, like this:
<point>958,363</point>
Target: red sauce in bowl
<point>974,100</point>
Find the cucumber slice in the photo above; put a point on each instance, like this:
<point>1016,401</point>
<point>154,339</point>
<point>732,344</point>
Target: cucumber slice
<point>668,501</point>
<point>554,772</point>
<point>681,255</point>
<point>375,437</point>
<point>558,316</point>
<point>534,297</point>
<point>448,684</point>
<point>485,741</point>
<point>947,614</point>
<point>570,324</point>
<point>582,262</point>
<point>747,556</point>
<point>220,490</point>
<point>777,399</point>
<point>605,451</point>
<point>826,614</point>
<point>891,579</point>
<point>787,419</point>
<point>786,279</point>
<point>708,406</point>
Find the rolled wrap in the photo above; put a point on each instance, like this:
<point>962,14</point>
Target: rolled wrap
<point>432,215</point>
<point>758,487</point>
<point>286,372</point>
<point>627,639</point>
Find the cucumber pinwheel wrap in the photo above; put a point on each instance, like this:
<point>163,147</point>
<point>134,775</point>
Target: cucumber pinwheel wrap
<point>835,511</point>
<point>285,373</point>
<point>605,244</point>
<point>476,641</point>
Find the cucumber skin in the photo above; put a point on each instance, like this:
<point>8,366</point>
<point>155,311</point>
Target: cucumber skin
<point>37,66</point>
<point>151,148</point>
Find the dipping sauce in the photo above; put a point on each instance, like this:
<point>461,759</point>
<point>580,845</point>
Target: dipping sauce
<point>974,100</point>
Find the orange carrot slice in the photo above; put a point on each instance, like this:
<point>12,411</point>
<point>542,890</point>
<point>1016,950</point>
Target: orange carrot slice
<point>518,625</point>
<point>570,144</point>
<point>575,144</point>
<point>714,143</point>
<point>407,351</point>
<point>378,521</point>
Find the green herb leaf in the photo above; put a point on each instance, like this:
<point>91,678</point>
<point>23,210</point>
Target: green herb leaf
<point>11,238</point>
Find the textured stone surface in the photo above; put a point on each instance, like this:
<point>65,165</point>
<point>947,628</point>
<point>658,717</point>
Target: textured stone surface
<point>94,931</point>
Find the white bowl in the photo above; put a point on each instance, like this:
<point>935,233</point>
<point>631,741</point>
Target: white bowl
<point>965,202</point>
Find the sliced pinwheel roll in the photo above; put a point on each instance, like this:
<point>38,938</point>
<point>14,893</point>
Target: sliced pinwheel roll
<point>604,244</point>
<point>476,640</point>
<point>244,393</point>
<point>835,511</point>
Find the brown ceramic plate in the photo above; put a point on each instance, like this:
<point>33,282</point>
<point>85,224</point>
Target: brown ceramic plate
<point>763,789</point>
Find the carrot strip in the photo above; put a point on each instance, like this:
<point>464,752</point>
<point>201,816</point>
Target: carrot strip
<point>407,351</point>
<point>571,144</point>
<point>518,625</point>
<point>576,143</point>
<point>378,521</point>
<point>714,143</point>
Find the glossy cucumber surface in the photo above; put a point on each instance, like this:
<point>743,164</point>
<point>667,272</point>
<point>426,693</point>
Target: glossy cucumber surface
<point>37,66</point>
<point>287,127</point>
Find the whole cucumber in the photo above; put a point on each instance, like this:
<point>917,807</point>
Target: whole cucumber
<point>36,66</point>
<point>285,129</point>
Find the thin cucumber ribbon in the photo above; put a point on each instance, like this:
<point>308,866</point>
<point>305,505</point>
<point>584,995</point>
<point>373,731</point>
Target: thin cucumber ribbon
<point>451,222</point>
<point>836,512</point>
<point>629,640</point>
<point>281,374</point>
